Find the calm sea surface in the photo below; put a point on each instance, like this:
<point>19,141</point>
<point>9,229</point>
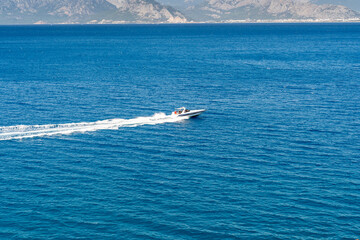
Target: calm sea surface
<point>88,149</point>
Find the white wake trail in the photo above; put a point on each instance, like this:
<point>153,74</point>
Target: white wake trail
<point>30,131</point>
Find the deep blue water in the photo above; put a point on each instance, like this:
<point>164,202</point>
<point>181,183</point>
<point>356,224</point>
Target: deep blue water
<point>276,156</point>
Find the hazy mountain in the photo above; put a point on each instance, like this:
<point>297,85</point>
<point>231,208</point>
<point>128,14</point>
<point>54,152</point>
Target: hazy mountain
<point>181,4</point>
<point>352,4</point>
<point>232,10</point>
<point>86,11</point>
<point>150,11</point>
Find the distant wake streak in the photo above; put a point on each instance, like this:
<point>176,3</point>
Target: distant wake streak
<point>30,131</point>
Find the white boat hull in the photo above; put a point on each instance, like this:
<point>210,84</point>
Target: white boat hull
<point>191,113</point>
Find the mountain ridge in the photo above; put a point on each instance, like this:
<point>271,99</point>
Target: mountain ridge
<point>87,11</point>
<point>151,11</point>
<point>253,10</point>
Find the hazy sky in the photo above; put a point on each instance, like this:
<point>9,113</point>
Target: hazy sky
<point>353,4</point>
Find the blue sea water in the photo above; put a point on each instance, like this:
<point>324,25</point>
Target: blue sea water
<point>88,150</point>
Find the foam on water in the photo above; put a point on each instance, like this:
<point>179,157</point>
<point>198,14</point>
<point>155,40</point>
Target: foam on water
<point>29,131</point>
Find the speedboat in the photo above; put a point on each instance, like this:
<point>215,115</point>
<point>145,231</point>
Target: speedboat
<point>183,112</point>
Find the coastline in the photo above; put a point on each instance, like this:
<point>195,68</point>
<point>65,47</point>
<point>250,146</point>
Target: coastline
<point>194,22</point>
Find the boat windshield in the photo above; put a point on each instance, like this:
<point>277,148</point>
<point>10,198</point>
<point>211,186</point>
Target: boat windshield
<point>182,110</point>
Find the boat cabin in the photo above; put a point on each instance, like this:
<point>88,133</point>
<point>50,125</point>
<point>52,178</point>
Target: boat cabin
<point>181,110</point>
